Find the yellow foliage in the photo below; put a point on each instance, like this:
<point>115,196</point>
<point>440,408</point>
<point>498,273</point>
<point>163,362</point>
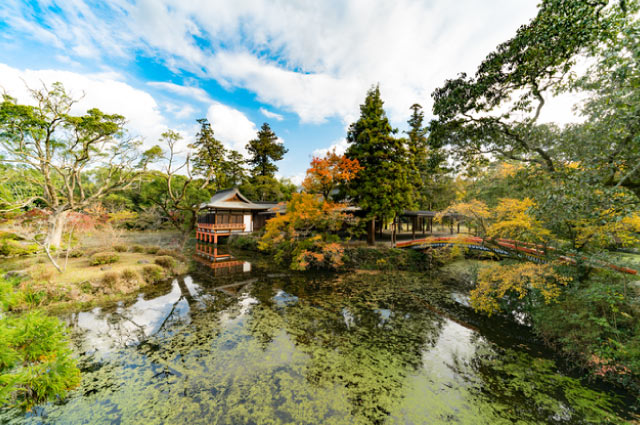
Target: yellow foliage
<point>496,280</point>
<point>474,210</point>
<point>512,220</point>
<point>624,232</point>
<point>506,169</point>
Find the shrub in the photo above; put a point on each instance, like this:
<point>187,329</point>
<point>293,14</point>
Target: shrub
<point>104,258</point>
<point>152,249</point>
<point>130,276</point>
<point>37,363</point>
<point>248,243</point>
<point>153,273</point>
<point>172,253</point>
<point>42,273</point>
<point>166,262</point>
<point>138,248</point>
<point>8,295</point>
<point>120,248</point>
<point>11,247</point>
<point>110,279</point>
<point>76,253</point>
<point>33,296</point>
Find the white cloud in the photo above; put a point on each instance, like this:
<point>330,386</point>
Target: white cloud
<point>195,93</point>
<point>316,59</point>
<point>231,126</point>
<point>269,114</point>
<point>340,147</point>
<point>104,91</point>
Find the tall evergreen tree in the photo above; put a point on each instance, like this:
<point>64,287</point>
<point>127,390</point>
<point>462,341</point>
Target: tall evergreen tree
<point>417,150</point>
<point>382,189</point>
<point>265,150</point>
<point>209,157</point>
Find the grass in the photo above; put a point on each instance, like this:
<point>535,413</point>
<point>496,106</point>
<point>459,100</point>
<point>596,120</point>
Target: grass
<point>83,284</point>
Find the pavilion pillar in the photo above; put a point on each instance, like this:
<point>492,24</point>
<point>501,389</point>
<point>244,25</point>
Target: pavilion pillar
<point>413,227</point>
<point>451,225</point>
<point>458,227</point>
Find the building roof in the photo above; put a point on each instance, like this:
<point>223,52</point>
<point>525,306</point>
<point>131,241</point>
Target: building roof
<point>233,199</point>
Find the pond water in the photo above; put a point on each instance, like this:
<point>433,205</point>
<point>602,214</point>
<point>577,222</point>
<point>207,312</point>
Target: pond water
<point>236,343</point>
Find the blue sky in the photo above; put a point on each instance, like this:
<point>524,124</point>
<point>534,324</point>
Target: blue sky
<point>302,66</point>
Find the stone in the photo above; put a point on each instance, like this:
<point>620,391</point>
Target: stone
<point>15,273</point>
<point>143,261</point>
<point>105,268</point>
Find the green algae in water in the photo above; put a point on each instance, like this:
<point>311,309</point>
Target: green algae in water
<point>299,349</point>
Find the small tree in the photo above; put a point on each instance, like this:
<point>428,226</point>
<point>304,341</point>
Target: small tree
<point>325,174</point>
<point>74,160</point>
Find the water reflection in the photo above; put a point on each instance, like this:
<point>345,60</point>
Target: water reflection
<point>220,260</point>
<point>260,347</point>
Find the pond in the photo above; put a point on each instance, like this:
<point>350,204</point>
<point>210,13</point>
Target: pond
<point>239,343</point>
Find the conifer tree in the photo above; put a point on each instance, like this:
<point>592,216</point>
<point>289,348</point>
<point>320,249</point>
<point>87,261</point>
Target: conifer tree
<point>382,188</point>
<point>418,153</point>
<point>209,158</point>
<point>265,150</point>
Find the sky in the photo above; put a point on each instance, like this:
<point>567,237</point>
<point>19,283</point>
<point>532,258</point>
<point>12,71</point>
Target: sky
<point>302,66</point>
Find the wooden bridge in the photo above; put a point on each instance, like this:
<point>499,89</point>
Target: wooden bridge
<point>510,248</point>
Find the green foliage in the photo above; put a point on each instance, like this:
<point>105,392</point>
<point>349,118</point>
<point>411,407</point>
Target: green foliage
<point>166,262</point>
<point>244,242</point>
<point>120,248</point>
<point>152,249</point>
<point>110,280</point>
<point>36,363</point>
<point>383,188</point>
<point>385,259</point>
<point>11,248</point>
<point>263,151</point>
<point>153,273</point>
<point>596,321</point>
<point>104,258</point>
<point>267,188</point>
<point>138,248</point>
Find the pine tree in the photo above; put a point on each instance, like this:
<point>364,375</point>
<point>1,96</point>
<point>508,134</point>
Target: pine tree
<point>209,157</point>
<point>382,189</point>
<point>418,154</point>
<point>265,150</point>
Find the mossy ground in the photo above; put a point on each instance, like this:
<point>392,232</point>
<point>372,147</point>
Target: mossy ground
<point>82,284</point>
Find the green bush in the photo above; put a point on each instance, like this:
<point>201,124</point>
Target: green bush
<point>11,247</point>
<point>36,363</point>
<point>130,275</point>
<point>153,273</point>
<point>110,279</point>
<point>138,248</point>
<point>166,262</point>
<point>245,242</point>
<point>597,321</point>
<point>9,236</point>
<point>104,258</point>
<point>385,259</point>
<point>152,249</point>
<point>120,248</point>
<point>76,253</point>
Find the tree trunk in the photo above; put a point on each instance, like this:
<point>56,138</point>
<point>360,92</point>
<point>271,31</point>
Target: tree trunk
<point>394,231</point>
<point>371,232</point>
<point>55,227</point>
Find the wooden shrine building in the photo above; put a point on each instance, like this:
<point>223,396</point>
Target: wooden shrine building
<point>229,212</point>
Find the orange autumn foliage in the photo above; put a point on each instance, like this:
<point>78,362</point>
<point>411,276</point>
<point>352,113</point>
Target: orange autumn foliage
<point>326,173</point>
